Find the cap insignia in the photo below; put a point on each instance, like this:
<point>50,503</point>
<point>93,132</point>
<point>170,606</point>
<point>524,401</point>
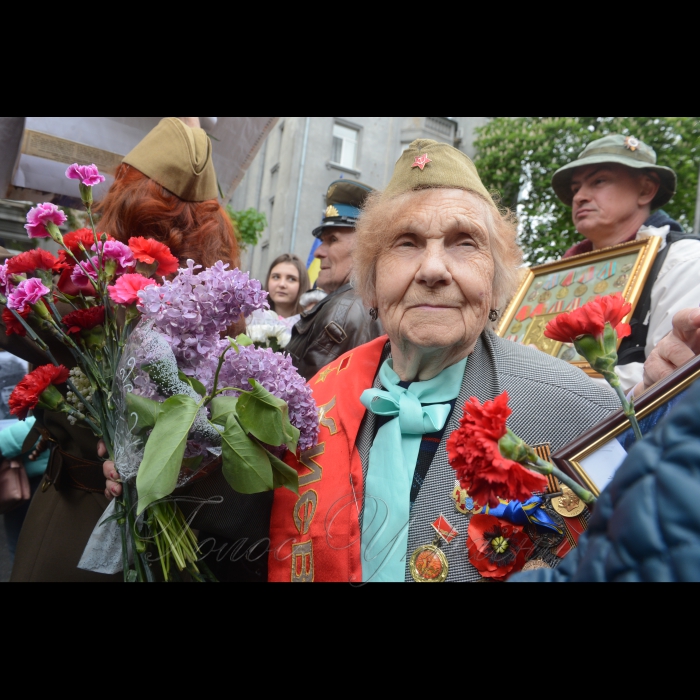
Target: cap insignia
<point>331,212</point>
<point>632,144</point>
<point>421,162</point>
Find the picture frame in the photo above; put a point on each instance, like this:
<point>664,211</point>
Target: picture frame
<point>563,286</point>
<point>595,457</point>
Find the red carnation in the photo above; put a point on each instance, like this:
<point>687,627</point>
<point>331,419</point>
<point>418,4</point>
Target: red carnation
<point>497,549</point>
<point>148,251</point>
<point>591,319</point>
<point>85,320</point>
<point>85,236</point>
<point>12,325</point>
<point>38,259</point>
<point>37,388</point>
<point>476,457</point>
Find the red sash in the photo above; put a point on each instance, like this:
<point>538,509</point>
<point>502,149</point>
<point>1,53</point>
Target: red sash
<point>315,537</point>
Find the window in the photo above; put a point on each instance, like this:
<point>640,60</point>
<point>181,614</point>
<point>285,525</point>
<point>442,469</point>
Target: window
<point>345,146</point>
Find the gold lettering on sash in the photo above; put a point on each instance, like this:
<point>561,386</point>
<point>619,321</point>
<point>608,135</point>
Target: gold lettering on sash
<point>305,511</point>
<point>308,459</point>
<point>325,420</point>
<point>303,563</point>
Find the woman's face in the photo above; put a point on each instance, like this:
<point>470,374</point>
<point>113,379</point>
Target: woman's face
<point>435,283</point>
<point>283,285</point>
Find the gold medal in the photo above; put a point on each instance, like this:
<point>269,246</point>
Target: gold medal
<point>580,290</point>
<point>544,297</point>
<point>601,288</point>
<point>569,505</point>
<point>429,565</point>
<point>536,565</point>
<point>516,328</point>
<point>563,293</point>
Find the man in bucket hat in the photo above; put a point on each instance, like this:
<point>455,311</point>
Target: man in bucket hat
<point>613,188</point>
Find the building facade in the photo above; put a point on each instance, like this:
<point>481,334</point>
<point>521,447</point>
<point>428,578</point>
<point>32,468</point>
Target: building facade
<point>289,178</point>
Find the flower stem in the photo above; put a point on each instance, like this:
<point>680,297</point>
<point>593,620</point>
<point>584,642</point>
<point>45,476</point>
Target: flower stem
<point>628,408</point>
<point>548,469</point>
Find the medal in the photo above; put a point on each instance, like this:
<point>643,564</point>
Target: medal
<point>516,327</point>
<point>580,290</point>
<point>627,268</point>
<point>562,294</point>
<point>533,296</point>
<point>429,564</point>
<point>601,288</point>
<point>544,297</point>
<point>536,565</point>
<point>569,505</point>
<point>622,282</point>
<point>464,502</point>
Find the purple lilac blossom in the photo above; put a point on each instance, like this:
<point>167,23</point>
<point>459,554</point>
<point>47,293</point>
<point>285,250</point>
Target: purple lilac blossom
<point>89,175</point>
<point>28,292</point>
<point>38,217</point>
<point>278,375</point>
<point>194,310</point>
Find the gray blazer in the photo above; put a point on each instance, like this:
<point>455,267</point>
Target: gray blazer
<point>553,403</point>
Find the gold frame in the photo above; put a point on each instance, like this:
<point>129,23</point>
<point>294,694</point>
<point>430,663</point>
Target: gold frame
<point>647,250</point>
<point>569,459</point>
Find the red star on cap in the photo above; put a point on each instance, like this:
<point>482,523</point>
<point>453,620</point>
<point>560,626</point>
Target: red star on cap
<point>421,162</point>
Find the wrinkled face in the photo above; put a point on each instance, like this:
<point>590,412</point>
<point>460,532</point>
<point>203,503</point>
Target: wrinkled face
<point>434,284</point>
<point>335,254</point>
<point>284,283</point>
<point>606,197</point>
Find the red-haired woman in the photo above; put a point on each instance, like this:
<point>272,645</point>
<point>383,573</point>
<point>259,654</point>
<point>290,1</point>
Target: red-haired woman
<point>166,189</point>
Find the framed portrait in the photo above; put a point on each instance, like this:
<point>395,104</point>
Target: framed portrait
<point>594,458</point>
<point>564,286</point>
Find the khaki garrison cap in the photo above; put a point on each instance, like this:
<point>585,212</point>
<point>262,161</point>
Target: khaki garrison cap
<point>178,158</point>
<point>428,164</point>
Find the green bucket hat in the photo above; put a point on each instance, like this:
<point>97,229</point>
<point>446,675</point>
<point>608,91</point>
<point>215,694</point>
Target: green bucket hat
<point>623,150</point>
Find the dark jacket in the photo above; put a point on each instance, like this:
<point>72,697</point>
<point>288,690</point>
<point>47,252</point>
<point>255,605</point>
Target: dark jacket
<point>646,526</point>
<point>338,324</point>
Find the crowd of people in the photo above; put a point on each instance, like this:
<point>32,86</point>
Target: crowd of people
<point>396,336</point>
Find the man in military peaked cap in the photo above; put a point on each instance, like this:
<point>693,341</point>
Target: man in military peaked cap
<point>614,187</point>
<point>340,322</point>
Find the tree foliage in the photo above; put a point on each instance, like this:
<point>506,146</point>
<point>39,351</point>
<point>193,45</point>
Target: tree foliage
<point>517,156</point>
<point>249,226</point>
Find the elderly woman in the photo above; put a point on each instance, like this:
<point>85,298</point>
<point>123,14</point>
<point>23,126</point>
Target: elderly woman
<point>435,261</point>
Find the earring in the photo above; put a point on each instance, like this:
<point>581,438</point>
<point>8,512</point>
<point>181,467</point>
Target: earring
<point>493,316</point>
<point>374,313</point>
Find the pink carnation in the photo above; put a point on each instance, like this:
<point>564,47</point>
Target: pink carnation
<point>42,215</point>
<point>114,250</point>
<point>126,289</point>
<point>81,277</point>
<point>4,282</point>
<point>28,292</point>
<point>89,175</point>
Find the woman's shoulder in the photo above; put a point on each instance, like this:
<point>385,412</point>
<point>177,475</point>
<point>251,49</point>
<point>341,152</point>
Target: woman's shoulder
<point>550,374</point>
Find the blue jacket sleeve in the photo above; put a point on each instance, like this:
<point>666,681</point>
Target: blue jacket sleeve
<point>12,438</point>
<point>646,526</point>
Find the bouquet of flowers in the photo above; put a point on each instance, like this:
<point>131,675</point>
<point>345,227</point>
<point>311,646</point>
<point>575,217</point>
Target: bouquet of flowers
<point>153,377</point>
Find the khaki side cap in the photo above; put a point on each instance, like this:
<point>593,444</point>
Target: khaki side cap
<point>179,159</point>
<point>449,168</point>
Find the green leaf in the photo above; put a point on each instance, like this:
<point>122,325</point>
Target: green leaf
<point>246,465</point>
<point>244,341</point>
<point>221,408</point>
<point>146,410</point>
<point>197,386</point>
<point>284,475</point>
<point>165,449</point>
<point>266,417</point>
